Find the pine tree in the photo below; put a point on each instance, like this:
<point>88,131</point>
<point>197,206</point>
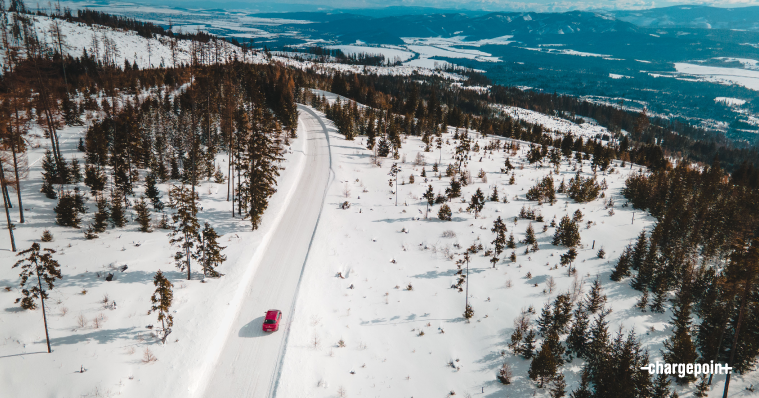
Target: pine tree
<point>94,178</point>
<point>639,252</point>
<point>118,217</point>
<point>527,349</point>
<point>152,192</point>
<point>186,228</point>
<point>477,202</point>
<point>454,190</point>
<point>643,302</point>
<point>567,233</point>
<point>494,195</point>
<point>545,321</point>
<point>595,298</point>
<point>661,386</point>
<point>75,173</point>
<point>444,214</point>
<point>40,265</point>
<point>679,348</point>
<point>67,211</point>
<point>143,215</point>
<point>583,391</point>
<point>210,252</point>
<point>529,236</point>
<point>577,341</point>
<point>499,229</point>
<point>261,169</point>
<point>50,175</point>
<point>161,302</point>
<point>569,257</point>
<point>430,196</point>
<point>512,179</point>
<point>102,215</point>
<point>511,244</point>
<point>622,269</point>
<point>545,364</point>
<point>558,387</point>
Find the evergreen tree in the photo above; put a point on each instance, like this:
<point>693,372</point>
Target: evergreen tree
<point>622,269</point>
<point>50,175</point>
<point>152,192</point>
<point>494,195</point>
<point>569,257</point>
<point>477,202</point>
<point>511,244</point>
<point>639,252</point>
<point>529,236</point>
<point>102,215</point>
<point>430,196</point>
<point>94,178</point>
<point>595,298</point>
<point>261,170</point>
<point>40,265</point>
<point>542,191</point>
<point>545,364</point>
<point>499,229</point>
<point>577,341</point>
<point>679,348</point>
<point>454,190</point>
<point>161,302</point>
<point>186,229</point>
<point>545,321</point>
<point>661,386</point>
<point>527,348</point>
<point>210,251</point>
<point>558,387</point>
<point>75,173</point>
<point>583,391</point>
<point>67,211</point>
<point>444,214</point>
<point>143,215</point>
<point>567,233</point>
<point>118,218</point>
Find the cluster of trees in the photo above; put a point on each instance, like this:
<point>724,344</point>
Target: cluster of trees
<point>576,327</point>
<point>704,248</point>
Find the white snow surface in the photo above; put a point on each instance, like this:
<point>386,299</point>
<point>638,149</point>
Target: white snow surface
<point>742,77</point>
<point>377,316</point>
<point>555,124</point>
<point>730,101</point>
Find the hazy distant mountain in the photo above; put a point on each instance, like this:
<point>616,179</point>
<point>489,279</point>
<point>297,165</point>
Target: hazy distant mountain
<point>693,17</point>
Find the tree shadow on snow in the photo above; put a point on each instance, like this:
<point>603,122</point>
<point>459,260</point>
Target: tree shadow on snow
<point>100,336</point>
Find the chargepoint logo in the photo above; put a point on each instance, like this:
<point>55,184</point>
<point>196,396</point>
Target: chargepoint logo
<point>683,369</point>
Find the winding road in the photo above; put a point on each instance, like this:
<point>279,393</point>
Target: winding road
<point>250,362</point>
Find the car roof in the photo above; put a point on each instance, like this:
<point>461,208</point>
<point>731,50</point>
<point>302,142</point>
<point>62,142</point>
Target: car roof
<point>271,314</point>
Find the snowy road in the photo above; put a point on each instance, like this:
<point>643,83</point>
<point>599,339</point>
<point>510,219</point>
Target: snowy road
<point>250,361</point>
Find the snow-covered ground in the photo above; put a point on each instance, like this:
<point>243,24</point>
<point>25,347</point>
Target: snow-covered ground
<point>109,340</point>
<point>554,123</point>
<point>743,77</point>
<point>376,316</point>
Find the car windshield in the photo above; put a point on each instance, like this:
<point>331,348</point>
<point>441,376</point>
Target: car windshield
<point>269,321</point>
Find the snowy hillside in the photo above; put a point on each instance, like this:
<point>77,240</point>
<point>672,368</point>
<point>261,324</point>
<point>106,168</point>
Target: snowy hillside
<point>380,318</point>
<point>162,51</point>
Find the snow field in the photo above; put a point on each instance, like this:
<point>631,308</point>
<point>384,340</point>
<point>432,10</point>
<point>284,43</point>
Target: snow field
<point>380,275</point>
<point>110,340</point>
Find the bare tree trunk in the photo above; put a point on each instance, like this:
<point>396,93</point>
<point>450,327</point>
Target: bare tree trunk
<point>8,219</point>
<point>44,315</point>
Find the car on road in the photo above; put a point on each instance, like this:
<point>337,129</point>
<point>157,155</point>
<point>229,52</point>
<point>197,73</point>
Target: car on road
<point>271,320</point>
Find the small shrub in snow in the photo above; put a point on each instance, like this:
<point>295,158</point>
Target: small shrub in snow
<point>449,234</point>
<point>46,236</point>
<point>341,343</point>
<point>505,374</point>
<point>147,356</point>
<point>468,312</point>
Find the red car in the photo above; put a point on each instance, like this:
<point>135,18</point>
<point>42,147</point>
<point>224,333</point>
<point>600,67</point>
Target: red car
<point>271,321</point>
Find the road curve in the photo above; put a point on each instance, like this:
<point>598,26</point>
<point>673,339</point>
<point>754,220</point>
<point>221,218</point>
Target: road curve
<point>250,362</point>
